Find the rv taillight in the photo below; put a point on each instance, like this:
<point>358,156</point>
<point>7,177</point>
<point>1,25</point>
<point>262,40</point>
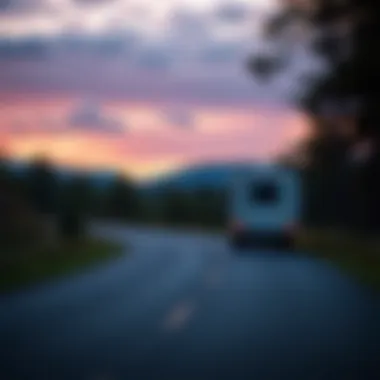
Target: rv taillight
<point>236,226</point>
<point>291,228</point>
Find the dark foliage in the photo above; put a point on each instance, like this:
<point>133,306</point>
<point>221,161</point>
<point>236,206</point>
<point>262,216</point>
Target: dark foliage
<point>354,63</point>
<point>41,186</point>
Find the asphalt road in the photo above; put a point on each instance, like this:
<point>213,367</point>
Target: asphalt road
<point>181,306</point>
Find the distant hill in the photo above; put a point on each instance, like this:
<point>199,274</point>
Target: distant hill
<point>213,176</point>
<point>209,176</point>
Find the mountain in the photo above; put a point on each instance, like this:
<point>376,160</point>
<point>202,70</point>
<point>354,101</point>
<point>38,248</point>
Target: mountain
<point>214,176</point>
<point>211,176</point>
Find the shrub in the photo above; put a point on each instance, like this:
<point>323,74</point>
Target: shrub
<point>19,225</point>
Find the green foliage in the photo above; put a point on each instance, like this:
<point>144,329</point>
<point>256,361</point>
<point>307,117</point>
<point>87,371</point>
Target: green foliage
<point>356,254</point>
<point>31,265</point>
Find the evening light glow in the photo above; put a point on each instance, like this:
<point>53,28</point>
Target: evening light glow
<point>96,89</point>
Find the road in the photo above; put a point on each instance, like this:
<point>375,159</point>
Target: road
<point>181,306</point>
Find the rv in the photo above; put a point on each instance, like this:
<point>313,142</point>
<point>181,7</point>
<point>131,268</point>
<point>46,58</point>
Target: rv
<point>264,207</point>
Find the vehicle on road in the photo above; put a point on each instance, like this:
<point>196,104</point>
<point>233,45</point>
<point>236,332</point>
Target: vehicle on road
<point>264,207</point>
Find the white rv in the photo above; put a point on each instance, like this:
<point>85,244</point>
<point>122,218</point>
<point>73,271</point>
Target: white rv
<point>264,207</point>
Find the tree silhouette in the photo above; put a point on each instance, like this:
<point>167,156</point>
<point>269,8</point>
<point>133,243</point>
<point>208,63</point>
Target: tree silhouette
<point>76,204</point>
<point>347,40</point>
<point>18,224</point>
<point>176,208</point>
<point>42,186</point>
<point>4,172</point>
<point>210,207</point>
<point>121,199</point>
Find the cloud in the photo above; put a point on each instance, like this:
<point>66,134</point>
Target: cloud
<point>93,2</point>
<point>89,117</point>
<point>86,117</point>
<point>23,49</point>
<point>17,128</point>
<point>220,52</point>
<point>29,128</point>
<point>209,71</point>
<point>180,117</point>
<point>233,12</point>
<point>108,45</point>
<point>188,26</point>
<point>155,58</point>
<point>24,6</point>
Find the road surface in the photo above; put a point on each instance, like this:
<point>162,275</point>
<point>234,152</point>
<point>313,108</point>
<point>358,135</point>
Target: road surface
<point>181,306</point>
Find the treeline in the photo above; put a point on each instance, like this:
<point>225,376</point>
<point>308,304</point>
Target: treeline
<point>342,105</point>
<point>334,174</point>
<point>40,197</point>
<point>333,197</point>
<point>123,200</point>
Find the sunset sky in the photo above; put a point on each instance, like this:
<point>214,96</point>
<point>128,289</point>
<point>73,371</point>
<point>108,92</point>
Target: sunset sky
<point>142,86</point>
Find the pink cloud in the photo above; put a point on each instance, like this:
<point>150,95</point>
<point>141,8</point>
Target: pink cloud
<point>221,135</point>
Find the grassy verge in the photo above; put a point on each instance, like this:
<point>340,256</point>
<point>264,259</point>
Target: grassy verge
<point>25,267</point>
<point>355,255</point>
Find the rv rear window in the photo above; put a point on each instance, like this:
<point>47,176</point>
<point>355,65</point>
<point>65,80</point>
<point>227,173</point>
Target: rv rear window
<point>264,192</point>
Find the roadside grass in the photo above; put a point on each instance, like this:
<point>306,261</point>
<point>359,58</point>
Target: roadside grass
<point>356,255</point>
<point>23,267</point>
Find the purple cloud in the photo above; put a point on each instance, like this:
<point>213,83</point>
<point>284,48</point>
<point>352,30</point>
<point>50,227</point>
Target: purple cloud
<point>93,2</point>
<point>233,12</point>
<point>27,48</point>
<point>187,25</point>
<point>89,117</point>
<point>220,52</point>
<point>24,6</point>
<point>155,58</point>
<point>180,117</point>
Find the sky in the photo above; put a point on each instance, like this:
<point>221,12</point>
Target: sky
<point>144,86</point>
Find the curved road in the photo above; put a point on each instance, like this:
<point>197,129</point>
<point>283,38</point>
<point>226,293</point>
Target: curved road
<point>181,306</point>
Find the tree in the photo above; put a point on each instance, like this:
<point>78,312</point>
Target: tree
<point>77,203</point>
<point>122,200</point>
<point>19,225</point>
<point>210,207</point>
<point>74,205</point>
<point>4,198</point>
<point>347,40</point>
<point>79,194</point>
<point>42,186</point>
<point>9,180</point>
<point>177,207</point>
<point>4,171</point>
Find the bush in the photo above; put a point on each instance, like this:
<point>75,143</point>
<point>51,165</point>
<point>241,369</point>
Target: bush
<point>356,254</point>
<point>339,243</point>
<point>37,265</point>
<point>71,225</point>
<point>19,225</point>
